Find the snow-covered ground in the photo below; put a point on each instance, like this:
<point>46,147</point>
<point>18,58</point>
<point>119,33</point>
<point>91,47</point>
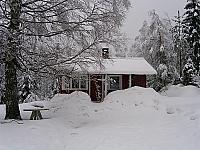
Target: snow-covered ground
<point>132,119</point>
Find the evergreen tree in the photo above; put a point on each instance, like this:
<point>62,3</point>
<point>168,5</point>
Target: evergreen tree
<point>180,43</point>
<point>192,29</point>
<point>26,88</point>
<point>189,73</point>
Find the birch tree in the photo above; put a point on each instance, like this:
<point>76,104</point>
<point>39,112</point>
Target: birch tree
<point>155,44</point>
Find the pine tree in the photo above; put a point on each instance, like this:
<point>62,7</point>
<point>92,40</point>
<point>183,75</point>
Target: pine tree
<point>25,88</point>
<point>189,73</point>
<point>180,43</point>
<point>192,30</point>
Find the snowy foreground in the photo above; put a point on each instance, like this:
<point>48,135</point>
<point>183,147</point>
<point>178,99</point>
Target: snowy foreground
<point>132,119</point>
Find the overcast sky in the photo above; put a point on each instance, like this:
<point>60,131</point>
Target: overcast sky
<point>139,12</point>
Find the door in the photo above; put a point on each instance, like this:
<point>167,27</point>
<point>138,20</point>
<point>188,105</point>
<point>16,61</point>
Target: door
<point>96,88</point>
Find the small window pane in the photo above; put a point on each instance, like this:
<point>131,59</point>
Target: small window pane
<point>83,82</point>
<point>67,82</point>
<point>114,83</point>
<point>75,83</point>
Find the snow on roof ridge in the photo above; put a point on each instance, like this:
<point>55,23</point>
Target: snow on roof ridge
<point>136,58</point>
<point>134,65</point>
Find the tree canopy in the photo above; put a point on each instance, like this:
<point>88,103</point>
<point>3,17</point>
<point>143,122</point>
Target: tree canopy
<point>41,35</point>
<point>191,23</point>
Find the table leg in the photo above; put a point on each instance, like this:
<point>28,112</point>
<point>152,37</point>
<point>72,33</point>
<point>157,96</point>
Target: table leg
<point>36,115</point>
<point>33,114</point>
<point>39,115</point>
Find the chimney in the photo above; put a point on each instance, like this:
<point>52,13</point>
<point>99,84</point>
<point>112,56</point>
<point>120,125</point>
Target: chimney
<point>105,53</point>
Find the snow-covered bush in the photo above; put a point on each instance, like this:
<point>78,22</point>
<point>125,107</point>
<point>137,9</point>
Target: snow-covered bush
<point>162,71</point>
<point>25,89</point>
<point>189,73</point>
<point>162,79</point>
<point>36,88</point>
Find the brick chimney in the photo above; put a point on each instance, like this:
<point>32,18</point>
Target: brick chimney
<point>105,53</point>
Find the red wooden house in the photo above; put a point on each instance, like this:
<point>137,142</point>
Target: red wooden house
<point>116,74</point>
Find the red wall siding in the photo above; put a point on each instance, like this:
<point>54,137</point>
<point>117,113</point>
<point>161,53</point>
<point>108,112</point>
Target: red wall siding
<point>139,80</point>
<point>96,85</point>
<point>125,81</point>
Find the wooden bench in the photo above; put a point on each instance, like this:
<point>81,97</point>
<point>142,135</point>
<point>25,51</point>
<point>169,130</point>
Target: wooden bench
<point>36,114</point>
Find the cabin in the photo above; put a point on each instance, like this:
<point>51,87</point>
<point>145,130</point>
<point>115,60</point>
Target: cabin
<point>114,74</point>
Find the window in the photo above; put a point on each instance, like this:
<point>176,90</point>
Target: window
<point>76,82</point>
<point>83,82</point>
<point>67,82</point>
<point>114,82</point>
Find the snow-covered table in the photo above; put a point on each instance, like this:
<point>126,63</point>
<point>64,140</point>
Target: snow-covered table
<point>36,114</point>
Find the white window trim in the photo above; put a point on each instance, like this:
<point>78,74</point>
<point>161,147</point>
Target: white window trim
<point>120,82</point>
<point>79,83</point>
<point>70,87</point>
<point>63,83</point>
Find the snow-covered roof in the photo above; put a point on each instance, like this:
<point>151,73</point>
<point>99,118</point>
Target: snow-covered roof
<point>136,65</point>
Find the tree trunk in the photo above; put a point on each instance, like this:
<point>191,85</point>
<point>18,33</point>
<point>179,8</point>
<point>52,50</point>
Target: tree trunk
<point>13,45</point>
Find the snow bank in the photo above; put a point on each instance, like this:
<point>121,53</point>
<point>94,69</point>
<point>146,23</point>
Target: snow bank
<point>76,106</point>
<point>79,103</point>
<point>74,100</point>
<point>181,91</point>
<point>125,120</point>
<point>133,97</point>
<point>182,100</point>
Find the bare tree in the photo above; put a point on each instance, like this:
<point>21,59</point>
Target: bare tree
<point>42,35</point>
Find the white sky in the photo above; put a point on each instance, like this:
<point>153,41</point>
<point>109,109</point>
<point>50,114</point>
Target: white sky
<point>139,12</point>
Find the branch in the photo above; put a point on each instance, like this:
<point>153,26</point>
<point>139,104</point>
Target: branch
<point>45,9</point>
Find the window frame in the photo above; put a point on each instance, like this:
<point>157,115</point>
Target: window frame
<point>79,78</point>
<point>85,80</point>
<point>120,82</point>
<point>71,83</point>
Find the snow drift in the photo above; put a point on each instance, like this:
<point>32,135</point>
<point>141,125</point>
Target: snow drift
<point>124,121</point>
<point>181,91</point>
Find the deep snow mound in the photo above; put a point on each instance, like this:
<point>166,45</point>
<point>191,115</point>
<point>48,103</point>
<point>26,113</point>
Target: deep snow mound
<point>76,103</point>
<point>79,103</point>
<point>135,96</point>
<point>76,96</point>
<point>181,91</point>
